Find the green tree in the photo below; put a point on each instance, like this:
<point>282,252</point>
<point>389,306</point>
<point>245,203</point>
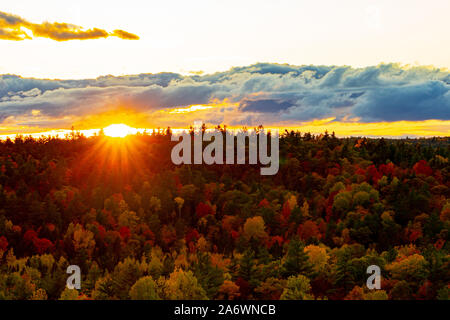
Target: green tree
<point>104,289</point>
<point>144,289</point>
<point>297,288</point>
<point>208,276</point>
<point>247,268</point>
<point>296,261</point>
<point>69,294</point>
<point>124,276</point>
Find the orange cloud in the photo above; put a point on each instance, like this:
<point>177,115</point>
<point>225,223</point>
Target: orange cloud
<point>15,35</point>
<point>11,28</point>
<point>124,35</point>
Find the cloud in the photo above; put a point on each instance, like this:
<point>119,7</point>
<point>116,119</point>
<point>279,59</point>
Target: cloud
<point>264,105</point>
<point>11,34</point>
<point>124,35</point>
<point>264,93</point>
<point>12,28</point>
<point>427,100</point>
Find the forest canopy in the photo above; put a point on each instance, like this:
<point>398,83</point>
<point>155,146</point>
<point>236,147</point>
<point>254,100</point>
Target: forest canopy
<point>141,227</point>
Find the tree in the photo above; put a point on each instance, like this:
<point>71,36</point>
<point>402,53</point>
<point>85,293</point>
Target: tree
<point>376,295</point>
<point>270,289</point>
<point>401,291</point>
<point>14,286</point>
<point>228,291</point>
<point>305,210</point>
<point>179,201</point>
<point>93,275</point>
<point>297,288</point>
<point>203,209</point>
<point>296,260</point>
<point>342,202</point>
<point>3,244</point>
<point>445,212</point>
<point>318,257</point>
<point>308,230</point>
<point>443,293</point>
<point>104,289</point>
<point>248,269</point>
<point>155,266</point>
<point>128,219</point>
<point>69,294</point>
<point>183,285</point>
<point>423,168</point>
<point>144,289</point>
<point>83,240</point>
<point>357,293</point>
<point>254,228</point>
<point>125,274</point>
<point>209,277</point>
<point>39,294</point>
<point>344,273</point>
<point>413,267</point>
<point>361,198</point>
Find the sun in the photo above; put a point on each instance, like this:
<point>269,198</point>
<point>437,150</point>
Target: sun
<point>118,130</point>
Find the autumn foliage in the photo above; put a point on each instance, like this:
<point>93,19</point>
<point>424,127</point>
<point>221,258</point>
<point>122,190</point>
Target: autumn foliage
<point>140,227</point>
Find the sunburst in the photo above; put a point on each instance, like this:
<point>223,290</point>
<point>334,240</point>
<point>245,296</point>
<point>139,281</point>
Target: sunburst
<point>118,130</point>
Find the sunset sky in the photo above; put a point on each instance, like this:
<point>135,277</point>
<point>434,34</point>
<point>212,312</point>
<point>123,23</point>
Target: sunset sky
<point>354,66</point>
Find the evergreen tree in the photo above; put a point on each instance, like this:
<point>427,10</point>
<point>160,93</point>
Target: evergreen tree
<point>208,276</point>
<point>296,260</point>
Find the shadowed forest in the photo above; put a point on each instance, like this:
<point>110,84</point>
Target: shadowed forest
<point>140,227</point>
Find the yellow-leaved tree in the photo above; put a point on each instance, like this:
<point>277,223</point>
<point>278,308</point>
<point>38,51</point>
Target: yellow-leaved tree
<point>182,285</point>
<point>255,228</point>
<point>297,288</point>
<point>318,257</point>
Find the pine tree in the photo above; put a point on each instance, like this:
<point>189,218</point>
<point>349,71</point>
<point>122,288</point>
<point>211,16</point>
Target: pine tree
<point>344,277</point>
<point>209,277</point>
<point>296,260</point>
<point>247,268</point>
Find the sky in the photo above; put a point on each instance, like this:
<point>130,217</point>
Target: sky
<point>344,65</point>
